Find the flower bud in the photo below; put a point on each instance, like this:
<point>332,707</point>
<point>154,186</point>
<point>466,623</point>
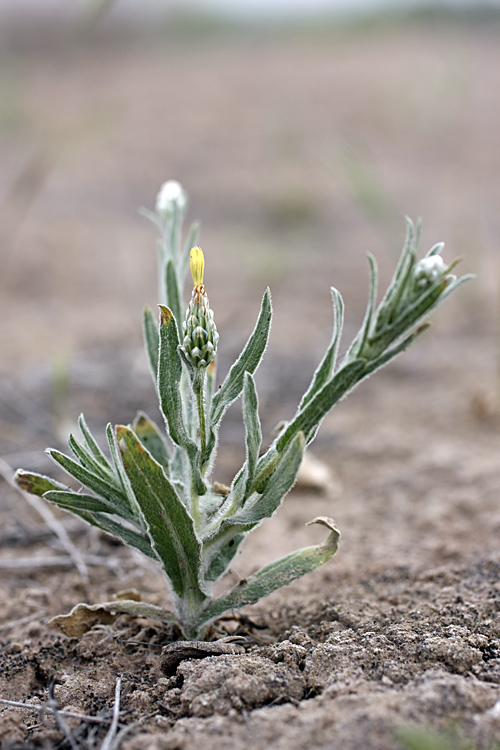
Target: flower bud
<point>429,270</point>
<point>171,197</point>
<point>200,334</point>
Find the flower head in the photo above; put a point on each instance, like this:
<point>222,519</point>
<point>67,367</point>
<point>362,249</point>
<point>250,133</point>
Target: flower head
<point>428,270</point>
<point>171,197</point>
<point>200,334</point>
<point>197,265</point>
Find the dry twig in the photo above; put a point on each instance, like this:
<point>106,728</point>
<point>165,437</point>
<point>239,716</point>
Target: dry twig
<point>46,514</point>
<point>108,742</point>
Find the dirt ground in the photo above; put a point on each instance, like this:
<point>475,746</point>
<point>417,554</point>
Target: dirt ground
<point>300,153</point>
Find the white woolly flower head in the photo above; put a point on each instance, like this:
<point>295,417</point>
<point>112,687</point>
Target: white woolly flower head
<point>429,269</point>
<point>171,196</point>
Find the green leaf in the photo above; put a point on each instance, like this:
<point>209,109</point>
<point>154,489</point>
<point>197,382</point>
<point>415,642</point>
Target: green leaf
<point>169,387</point>
<point>78,501</point>
<point>168,523</point>
<point>326,367</point>
<point>376,364</point>
<point>408,317</point>
<point>95,483</point>
<point>36,484</point>
<point>248,361</point>
<point>277,574</point>
<point>390,302</point>
<point>191,241</point>
<point>88,460</point>
<point>276,487</point>
<point>130,537</point>
<point>264,505</point>
<point>308,419</point>
<point>173,294</point>
<point>220,562</point>
<point>453,286</point>
<point>151,438</point>
<point>356,348</point>
<point>152,216</point>
<point>91,443</point>
<point>210,387</point>
<point>120,471</point>
<point>151,340</point>
<point>253,432</point>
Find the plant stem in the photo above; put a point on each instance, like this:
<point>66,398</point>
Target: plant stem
<point>199,389</point>
<point>189,610</point>
<point>199,392</point>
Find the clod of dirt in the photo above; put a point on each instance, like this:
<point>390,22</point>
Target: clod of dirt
<point>175,653</point>
<point>222,684</point>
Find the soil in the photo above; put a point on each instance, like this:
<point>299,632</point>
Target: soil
<point>300,153</point>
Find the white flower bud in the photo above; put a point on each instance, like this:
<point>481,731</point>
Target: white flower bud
<point>429,269</point>
<point>171,196</point>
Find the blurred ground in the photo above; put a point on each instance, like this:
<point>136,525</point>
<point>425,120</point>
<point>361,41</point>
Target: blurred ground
<point>300,152</point>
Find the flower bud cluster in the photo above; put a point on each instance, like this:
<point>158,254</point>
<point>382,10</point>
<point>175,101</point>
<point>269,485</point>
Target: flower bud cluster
<point>200,334</point>
<point>428,270</point>
<point>171,197</point>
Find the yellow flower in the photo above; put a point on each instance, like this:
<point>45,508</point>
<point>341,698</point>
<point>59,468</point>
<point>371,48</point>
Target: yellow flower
<point>200,335</point>
<point>197,263</point>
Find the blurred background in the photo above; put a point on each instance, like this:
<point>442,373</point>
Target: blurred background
<point>302,131</point>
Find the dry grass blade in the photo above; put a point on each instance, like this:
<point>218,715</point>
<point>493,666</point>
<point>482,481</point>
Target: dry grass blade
<point>108,742</point>
<point>52,705</point>
<point>62,712</point>
<point>59,561</point>
<point>46,514</point>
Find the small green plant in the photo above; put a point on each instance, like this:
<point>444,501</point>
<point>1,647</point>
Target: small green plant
<point>155,493</point>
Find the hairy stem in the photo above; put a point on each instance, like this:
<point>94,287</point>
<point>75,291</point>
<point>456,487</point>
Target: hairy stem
<point>199,390</point>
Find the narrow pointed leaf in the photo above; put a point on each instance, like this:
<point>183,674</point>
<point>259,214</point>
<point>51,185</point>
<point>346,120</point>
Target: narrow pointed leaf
<point>258,508</point>
<point>226,551</point>
<point>248,361</point>
<point>310,417</point>
<point>169,387</point>
<point>395,290</point>
<point>277,574</point>
<point>91,443</point>
<point>190,242</point>
<point>169,525</point>
<point>409,316</point>
<point>253,433</point>
<point>376,364</point>
<point>151,438</point>
<point>79,501</point>
<point>131,537</point>
<point>173,294</point>
<point>151,340</point>
<point>94,483</point>
<point>120,471</point>
<point>125,534</point>
<point>326,367</point>
<point>278,485</point>
<point>455,284</point>
<point>88,460</point>
<point>211,379</point>
<point>152,216</point>
<point>356,348</point>
<point>36,484</point>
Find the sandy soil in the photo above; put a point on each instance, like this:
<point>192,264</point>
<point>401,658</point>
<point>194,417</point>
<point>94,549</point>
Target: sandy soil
<point>300,154</point>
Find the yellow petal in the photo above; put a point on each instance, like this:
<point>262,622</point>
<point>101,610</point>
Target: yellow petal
<point>197,263</point>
